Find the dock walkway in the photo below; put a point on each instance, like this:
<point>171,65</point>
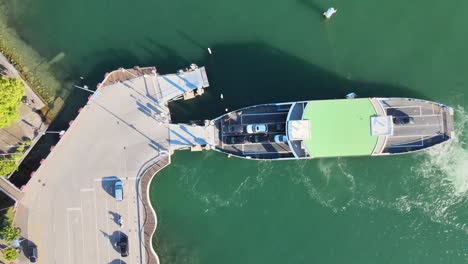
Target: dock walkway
<point>9,189</point>
<point>122,135</point>
<point>150,221</point>
<point>182,136</point>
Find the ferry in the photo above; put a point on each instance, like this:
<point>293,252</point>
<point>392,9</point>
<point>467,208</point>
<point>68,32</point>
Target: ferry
<point>333,128</point>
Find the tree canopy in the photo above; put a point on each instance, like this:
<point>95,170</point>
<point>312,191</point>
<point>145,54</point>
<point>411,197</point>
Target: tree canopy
<point>9,233</point>
<point>11,92</point>
<point>10,254</point>
<point>9,164</point>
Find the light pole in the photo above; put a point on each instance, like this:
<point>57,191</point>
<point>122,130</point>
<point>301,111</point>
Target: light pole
<point>85,87</point>
<point>61,132</point>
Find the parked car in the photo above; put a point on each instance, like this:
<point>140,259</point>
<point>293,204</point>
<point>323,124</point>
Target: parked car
<point>257,128</point>
<point>280,138</point>
<point>118,190</point>
<point>122,244</point>
<point>33,256</point>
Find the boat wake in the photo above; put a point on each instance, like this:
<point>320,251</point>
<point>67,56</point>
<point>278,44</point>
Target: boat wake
<point>236,197</point>
<point>443,172</point>
<point>335,189</point>
<point>437,184</point>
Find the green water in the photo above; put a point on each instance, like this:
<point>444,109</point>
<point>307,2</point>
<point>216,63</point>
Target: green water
<point>211,209</point>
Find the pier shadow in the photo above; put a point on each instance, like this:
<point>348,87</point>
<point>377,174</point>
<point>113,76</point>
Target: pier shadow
<point>245,73</point>
<point>197,140</point>
<point>108,183</point>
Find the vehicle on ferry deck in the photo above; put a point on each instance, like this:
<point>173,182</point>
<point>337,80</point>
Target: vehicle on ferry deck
<point>257,128</point>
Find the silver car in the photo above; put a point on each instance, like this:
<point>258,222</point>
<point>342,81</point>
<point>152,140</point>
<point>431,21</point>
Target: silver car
<point>118,191</point>
<point>257,128</point>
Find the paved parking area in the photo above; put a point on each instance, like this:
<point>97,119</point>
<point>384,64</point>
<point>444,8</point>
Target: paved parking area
<point>70,204</point>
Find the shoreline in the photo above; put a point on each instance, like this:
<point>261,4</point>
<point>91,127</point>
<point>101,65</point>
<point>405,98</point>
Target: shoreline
<point>149,227</point>
<point>114,119</point>
<point>34,69</point>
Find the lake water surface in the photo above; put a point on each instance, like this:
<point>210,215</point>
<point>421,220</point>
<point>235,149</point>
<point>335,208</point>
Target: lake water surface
<point>212,209</point>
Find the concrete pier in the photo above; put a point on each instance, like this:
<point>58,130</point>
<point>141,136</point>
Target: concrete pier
<point>183,136</point>
<point>123,134</point>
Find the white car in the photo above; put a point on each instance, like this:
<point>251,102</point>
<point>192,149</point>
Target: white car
<point>257,128</point>
<point>280,138</point>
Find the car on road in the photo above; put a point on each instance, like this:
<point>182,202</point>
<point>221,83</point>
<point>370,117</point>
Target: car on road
<point>33,256</point>
<point>257,128</point>
<point>280,138</point>
<point>118,190</point>
<point>122,244</point>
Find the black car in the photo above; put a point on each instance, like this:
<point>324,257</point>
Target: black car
<point>33,256</point>
<point>122,244</point>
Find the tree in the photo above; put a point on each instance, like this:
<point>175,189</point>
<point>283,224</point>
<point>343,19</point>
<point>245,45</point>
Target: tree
<point>10,254</point>
<point>9,233</point>
<point>7,166</point>
<point>11,92</point>
<point>10,164</point>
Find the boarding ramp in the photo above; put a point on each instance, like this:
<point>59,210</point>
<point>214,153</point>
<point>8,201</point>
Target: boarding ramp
<point>185,84</point>
<point>195,137</point>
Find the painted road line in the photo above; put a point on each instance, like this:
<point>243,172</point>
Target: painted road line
<point>73,220</point>
<point>68,235</point>
<point>101,221</point>
<point>82,228</point>
<point>87,190</point>
<point>87,205</point>
<point>97,230</point>
<point>107,223</point>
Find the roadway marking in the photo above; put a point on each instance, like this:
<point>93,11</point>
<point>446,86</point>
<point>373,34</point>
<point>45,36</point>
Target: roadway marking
<point>68,235</point>
<point>97,230</point>
<point>74,209</point>
<point>87,190</point>
<point>107,223</point>
<point>82,228</point>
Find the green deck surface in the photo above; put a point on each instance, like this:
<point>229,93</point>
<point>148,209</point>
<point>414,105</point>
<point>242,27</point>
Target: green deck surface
<point>340,127</point>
